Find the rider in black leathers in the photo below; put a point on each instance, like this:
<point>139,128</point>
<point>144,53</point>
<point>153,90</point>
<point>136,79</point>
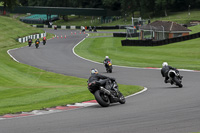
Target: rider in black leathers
<point>165,69</point>
<point>103,80</point>
<point>30,42</point>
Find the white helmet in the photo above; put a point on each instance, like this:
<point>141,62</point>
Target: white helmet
<point>107,57</point>
<point>94,71</point>
<point>164,64</point>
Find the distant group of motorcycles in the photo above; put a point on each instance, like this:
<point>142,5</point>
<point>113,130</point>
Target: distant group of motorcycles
<point>37,42</point>
<point>106,95</point>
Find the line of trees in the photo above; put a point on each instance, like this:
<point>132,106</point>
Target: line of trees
<point>145,7</point>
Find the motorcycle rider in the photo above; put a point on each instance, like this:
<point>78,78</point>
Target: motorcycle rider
<point>103,80</point>
<point>44,40</point>
<point>37,42</point>
<point>106,61</point>
<point>30,41</point>
<point>164,71</point>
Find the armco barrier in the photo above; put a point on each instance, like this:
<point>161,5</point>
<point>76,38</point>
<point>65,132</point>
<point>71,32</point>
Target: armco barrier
<point>124,35</point>
<point>79,27</point>
<point>159,42</point>
<point>36,36</point>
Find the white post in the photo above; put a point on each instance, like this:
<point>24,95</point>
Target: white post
<point>20,39</point>
<point>24,40</point>
<point>163,32</point>
<point>132,20</point>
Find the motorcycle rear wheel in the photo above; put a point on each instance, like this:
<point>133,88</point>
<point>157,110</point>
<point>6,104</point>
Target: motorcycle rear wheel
<point>108,70</point>
<point>178,82</point>
<point>102,98</point>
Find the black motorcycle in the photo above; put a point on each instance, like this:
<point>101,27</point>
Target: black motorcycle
<point>94,29</point>
<point>29,43</point>
<point>90,28</point>
<point>106,96</point>
<point>37,44</point>
<point>175,78</point>
<point>44,42</point>
<point>109,67</point>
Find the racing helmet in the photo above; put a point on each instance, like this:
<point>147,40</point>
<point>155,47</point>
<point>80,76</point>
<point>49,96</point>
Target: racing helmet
<point>94,71</point>
<point>164,64</point>
<point>107,57</point>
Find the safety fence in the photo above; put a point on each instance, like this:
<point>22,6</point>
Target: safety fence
<point>80,27</point>
<point>36,36</point>
<point>125,35</point>
<point>59,27</point>
<point>151,42</point>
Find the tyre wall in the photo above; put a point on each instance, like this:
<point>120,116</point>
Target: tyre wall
<point>159,42</point>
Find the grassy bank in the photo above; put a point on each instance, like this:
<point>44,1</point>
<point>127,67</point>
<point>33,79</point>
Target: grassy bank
<point>25,88</point>
<point>180,17</point>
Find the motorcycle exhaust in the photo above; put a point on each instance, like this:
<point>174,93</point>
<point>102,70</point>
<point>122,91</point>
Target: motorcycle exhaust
<point>105,90</point>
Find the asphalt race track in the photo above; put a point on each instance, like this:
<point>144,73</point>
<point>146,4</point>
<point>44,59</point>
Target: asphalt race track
<point>161,109</point>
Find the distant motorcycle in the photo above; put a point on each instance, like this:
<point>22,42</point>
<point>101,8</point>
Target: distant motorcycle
<point>109,67</point>
<point>104,96</point>
<point>37,44</point>
<point>94,29</point>
<point>44,42</point>
<point>29,43</point>
<point>175,78</point>
<point>90,28</point>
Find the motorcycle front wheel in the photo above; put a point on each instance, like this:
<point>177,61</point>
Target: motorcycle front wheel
<point>102,98</point>
<point>122,99</point>
<point>37,45</point>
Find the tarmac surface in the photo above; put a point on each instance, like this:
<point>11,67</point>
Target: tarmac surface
<point>161,109</point>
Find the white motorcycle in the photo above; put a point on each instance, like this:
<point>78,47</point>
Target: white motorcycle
<point>175,78</point>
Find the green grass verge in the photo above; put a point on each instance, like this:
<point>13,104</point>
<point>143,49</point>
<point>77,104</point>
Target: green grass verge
<point>100,34</point>
<point>183,55</point>
<point>195,29</point>
<point>26,88</point>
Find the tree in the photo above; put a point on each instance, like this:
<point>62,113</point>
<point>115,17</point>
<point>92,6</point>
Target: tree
<point>130,6</point>
<point>112,4</point>
<point>8,4</point>
<point>23,2</point>
<point>147,7</point>
<point>164,5</point>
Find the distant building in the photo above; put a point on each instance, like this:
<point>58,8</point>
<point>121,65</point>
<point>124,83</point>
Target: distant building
<point>193,23</point>
<point>160,30</point>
